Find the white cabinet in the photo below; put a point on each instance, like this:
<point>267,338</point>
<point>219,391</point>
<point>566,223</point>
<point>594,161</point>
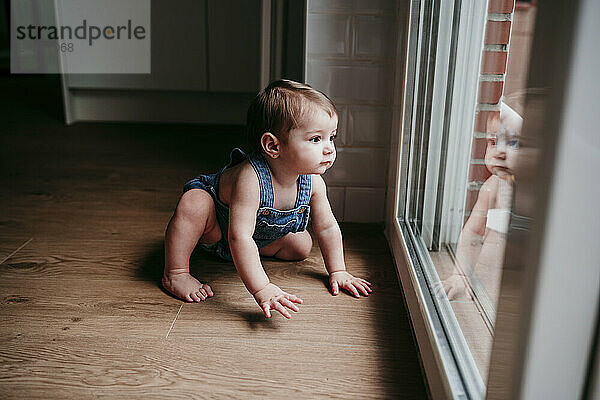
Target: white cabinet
<point>197,45</point>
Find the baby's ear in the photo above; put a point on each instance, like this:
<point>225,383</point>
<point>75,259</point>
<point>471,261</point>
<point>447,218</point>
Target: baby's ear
<point>270,144</point>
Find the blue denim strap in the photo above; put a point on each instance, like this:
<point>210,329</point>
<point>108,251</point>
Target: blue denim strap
<point>261,167</point>
<point>304,188</point>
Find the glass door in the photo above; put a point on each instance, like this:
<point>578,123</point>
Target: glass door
<point>461,204</point>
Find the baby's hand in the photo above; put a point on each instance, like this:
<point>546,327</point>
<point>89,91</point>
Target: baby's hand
<point>453,287</point>
<point>271,297</point>
<point>342,279</point>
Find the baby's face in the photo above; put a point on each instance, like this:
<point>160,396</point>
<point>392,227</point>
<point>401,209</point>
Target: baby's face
<point>502,150</point>
<point>310,149</point>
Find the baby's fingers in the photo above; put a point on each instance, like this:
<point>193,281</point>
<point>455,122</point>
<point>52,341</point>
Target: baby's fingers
<point>366,285</point>
<point>289,304</point>
<point>334,288</point>
<point>362,287</point>
<point>293,298</point>
<point>452,293</point>
<point>350,287</point>
<point>277,306</point>
<point>364,281</point>
<point>266,308</point>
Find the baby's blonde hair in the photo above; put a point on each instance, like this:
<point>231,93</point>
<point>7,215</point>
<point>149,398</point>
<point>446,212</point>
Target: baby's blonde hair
<point>282,106</point>
<point>507,115</point>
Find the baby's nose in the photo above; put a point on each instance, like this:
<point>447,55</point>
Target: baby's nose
<point>501,146</point>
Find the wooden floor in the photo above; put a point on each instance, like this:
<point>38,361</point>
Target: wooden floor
<point>82,315</point>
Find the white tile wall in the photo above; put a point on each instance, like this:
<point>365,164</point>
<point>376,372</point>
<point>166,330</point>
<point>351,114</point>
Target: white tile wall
<point>373,83</point>
<point>374,36</point>
<point>332,79</point>
<point>369,125</point>
<point>343,137</point>
<point>357,6</point>
<point>329,35</point>
<point>350,51</point>
<point>365,167</point>
<point>352,82</point>
<point>337,196</point>
<point>364,204</point>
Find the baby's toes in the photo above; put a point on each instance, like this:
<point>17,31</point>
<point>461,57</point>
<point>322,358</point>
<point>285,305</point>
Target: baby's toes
<point>208,290</point>
<point>188,298</point>
<point>201,294</point>
<point>195,297</point>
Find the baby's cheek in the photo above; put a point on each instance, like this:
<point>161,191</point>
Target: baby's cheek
<point>511,156</point>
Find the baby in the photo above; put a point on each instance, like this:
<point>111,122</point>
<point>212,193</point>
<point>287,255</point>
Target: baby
<point>482,240</point>
<point>259,204</point>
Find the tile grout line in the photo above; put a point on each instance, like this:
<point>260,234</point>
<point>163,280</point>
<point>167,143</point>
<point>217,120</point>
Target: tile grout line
<point>173,323</point>
<point>15,252</point>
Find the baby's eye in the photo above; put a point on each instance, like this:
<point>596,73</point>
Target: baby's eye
<point>513,143</point>
<point>333,137</point>
<point>315,139</point>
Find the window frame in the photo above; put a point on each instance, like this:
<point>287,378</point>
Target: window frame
<point>449,106</point>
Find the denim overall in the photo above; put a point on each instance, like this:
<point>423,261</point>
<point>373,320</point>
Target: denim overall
<point>271,224</point>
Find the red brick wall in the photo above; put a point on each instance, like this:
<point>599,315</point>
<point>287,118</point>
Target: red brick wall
<point>491,86</point>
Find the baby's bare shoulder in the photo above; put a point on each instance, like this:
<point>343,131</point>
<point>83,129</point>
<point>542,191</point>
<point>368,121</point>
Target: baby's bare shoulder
<point>245,175</point>
<point>239,179</point>
<point>318,186</point>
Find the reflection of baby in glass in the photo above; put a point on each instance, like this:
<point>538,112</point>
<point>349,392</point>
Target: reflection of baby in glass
<point>482,240</point>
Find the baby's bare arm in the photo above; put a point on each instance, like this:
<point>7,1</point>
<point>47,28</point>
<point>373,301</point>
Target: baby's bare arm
<point>471,237</point>
<point>469,244</point>
<point>245,200</point>
<point>329,237</point>
<point>326,227</point>
<point>476,221</point>
<point>244,203</point>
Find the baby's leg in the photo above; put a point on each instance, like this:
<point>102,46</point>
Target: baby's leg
<point>194,220</point>
<point>293,246</point>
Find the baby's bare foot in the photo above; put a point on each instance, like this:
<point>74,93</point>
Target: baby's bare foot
<point>186,287</point>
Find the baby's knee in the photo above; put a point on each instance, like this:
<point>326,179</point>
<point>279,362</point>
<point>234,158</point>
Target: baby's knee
<point>193,205</point>
<point>303,247</point>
